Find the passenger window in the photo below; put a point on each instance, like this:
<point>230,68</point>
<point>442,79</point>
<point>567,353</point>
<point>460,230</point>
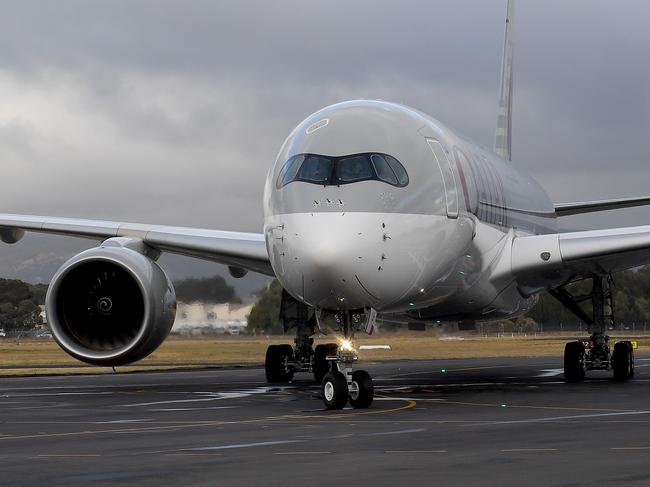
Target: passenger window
<point>355,168</point>
<point>316,169</point>
<point>383,170</point>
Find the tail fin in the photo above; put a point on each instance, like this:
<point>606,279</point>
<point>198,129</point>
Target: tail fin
<point>503,136</point>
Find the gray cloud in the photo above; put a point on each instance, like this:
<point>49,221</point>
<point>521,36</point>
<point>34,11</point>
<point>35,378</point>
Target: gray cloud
<point>171,112</point>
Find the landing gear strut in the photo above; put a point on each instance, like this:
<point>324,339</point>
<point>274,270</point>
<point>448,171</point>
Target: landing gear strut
<point>595,353</point>
<point>330,363</point>
<point>341,384</point>
<point>283,361</point>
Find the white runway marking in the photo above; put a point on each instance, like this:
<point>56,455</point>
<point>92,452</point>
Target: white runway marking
<point>242,445</point>
<point>550,372</point>
<point>415,451</point>
<point>407,399</point>
<point>190,409</point>
<point>302,453</point>
<point>6,390</point>
<point>123,421</point>
<point>71,455</point>
<point>562,418</point>
<point>193,454</point>
<point>174,401</point>
<point>46,394</point>
<point>469,384</point>
<point>212,396</point>
<point>400,432</point>
<point>524,450</point>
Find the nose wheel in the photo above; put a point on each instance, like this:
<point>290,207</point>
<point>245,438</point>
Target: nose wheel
<point>362,391</point>
<point>335,390</point>
<point>341,385</point>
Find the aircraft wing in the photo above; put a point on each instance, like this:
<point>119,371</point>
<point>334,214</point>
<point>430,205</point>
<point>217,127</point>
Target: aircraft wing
<point>235,249</point>
<point>546,261</point>
<point>568,209</point>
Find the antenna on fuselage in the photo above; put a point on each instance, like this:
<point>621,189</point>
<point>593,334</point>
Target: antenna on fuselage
<point>503,135</point>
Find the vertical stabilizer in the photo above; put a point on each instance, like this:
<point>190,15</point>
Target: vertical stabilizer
<point>503,136</point>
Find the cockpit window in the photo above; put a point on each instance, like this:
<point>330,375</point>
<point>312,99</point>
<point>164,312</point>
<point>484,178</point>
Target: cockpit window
<point>355,168</point>
<point>288,172</point>
<point>330,171</point>
<point>315,169</point>
<point>398,169</point>
<point>383,170</point>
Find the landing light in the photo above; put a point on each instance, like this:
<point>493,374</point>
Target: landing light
<point>346,345</point>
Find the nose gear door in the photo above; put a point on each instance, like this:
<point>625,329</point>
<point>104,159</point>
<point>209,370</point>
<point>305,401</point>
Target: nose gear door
<point>448,177</point>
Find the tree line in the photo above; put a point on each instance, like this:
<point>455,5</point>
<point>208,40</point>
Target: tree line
<point>19,305</point>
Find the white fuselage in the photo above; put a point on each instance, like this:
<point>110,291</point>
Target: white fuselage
<point>343,233</point>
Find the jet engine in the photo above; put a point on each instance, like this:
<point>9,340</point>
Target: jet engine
<point>111,305</point>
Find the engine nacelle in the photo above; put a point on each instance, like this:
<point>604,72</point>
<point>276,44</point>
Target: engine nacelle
<point>111,305</point>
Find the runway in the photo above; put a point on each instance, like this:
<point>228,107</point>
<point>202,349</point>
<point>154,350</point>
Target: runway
<point>465,422</point>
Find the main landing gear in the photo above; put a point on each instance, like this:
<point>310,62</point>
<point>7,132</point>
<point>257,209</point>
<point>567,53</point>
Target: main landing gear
<point>330,363</point>
<point>596,352</point>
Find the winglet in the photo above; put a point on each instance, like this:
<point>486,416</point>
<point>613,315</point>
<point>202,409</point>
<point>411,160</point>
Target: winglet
<point>503,135</point>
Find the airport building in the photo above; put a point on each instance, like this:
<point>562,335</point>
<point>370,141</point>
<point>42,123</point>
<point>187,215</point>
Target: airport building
<point>198,318</point>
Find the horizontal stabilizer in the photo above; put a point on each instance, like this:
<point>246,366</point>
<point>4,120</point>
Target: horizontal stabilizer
<point>568,209</point>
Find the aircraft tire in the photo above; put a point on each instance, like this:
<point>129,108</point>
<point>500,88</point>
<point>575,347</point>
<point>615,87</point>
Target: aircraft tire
<point>623,361</point>
<point>320,367</point>
<point>362,399</point>
<point>334,389</point>
<point>276,363</point>
<point>574,362</point>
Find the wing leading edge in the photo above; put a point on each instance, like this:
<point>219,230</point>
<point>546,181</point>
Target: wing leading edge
<point>235,249</point>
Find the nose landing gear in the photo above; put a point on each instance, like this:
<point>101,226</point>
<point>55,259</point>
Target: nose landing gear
<point>341,384</point>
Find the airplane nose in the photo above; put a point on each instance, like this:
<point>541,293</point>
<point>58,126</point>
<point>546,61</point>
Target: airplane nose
<point>358,260</point>
<point>324,256</point>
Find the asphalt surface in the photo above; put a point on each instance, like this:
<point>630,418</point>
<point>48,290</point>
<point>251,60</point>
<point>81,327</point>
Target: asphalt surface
<point>472,422</point>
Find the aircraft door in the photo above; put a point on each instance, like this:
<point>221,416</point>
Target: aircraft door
<point>448,177</point>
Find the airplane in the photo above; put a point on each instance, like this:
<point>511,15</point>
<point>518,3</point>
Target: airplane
<point>371,208</point>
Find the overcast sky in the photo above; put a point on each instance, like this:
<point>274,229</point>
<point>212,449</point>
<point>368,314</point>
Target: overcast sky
<point>171,112</point>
